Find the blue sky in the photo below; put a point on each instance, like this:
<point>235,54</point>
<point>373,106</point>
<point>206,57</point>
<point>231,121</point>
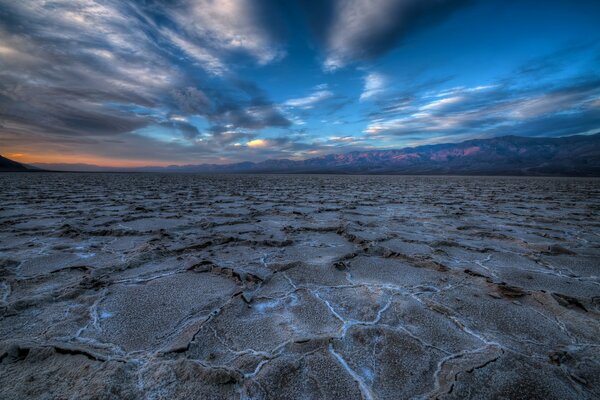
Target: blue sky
<point>118,82</point>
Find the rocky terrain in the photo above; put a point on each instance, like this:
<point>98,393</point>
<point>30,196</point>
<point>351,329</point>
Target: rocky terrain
<point>158,286</point>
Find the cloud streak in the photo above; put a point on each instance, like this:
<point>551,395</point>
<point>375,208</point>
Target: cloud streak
<point>318,96</point>
<point>374,85</point>
<point>358,30</point>
<point>492,110</point>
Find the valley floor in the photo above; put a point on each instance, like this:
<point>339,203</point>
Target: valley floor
<point>160,286</point>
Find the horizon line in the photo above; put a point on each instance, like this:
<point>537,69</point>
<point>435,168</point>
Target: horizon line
<point>142,165</point>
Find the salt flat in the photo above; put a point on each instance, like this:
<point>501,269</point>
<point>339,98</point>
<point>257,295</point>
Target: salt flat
<point>162,286</point>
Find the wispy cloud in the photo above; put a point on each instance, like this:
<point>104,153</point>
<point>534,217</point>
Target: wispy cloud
<point>319,95</point>
<point>437,104</point>
<point>204,57</point>
<point>495,109</point>
<point>363,29</point>
<point>374,85</point>
<point>230,25</point>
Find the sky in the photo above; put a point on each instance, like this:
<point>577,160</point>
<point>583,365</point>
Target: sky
<point>132,83</point>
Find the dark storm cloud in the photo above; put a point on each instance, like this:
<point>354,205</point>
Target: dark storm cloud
<point>354,30</point>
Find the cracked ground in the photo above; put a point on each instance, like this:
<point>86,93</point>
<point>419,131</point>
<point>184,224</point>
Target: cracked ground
<point>151,286</point>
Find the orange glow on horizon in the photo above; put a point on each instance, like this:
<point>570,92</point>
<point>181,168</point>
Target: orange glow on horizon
<point>29,158</point>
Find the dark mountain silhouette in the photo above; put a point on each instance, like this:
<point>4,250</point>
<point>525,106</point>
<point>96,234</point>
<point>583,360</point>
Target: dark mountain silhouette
<point>507,155</point>
<point>7,165</point>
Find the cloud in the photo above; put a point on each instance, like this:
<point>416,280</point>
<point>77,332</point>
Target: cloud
<point>226,25</point>
<point>355,30</point>
<point>85,72</point>
<point>441,103</point>
<point>497,109</point>
<point>191,100</point>
<point>243,106</point>
<point>258,143</point>
<point>82,56</point>
<point>188,131</point>
<point>205,57</point>
<point>311,100</point>
<point>173,81</point>
<point>374,85</point>
<point>253,117</point>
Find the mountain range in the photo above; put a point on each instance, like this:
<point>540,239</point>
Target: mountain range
<point>577,155</point>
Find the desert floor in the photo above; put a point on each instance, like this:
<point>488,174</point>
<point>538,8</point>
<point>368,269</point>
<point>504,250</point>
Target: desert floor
<point>161,286</point>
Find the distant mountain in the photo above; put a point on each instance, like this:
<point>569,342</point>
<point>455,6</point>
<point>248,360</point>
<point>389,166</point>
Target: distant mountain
<point>508,155</point>
<point>7,165</point>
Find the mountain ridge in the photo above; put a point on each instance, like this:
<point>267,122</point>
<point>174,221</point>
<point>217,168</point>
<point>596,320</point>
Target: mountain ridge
<point>577,155</point>
<point>8,165</point>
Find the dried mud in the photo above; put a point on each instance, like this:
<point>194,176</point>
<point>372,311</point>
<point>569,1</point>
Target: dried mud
<point>158,286</point>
